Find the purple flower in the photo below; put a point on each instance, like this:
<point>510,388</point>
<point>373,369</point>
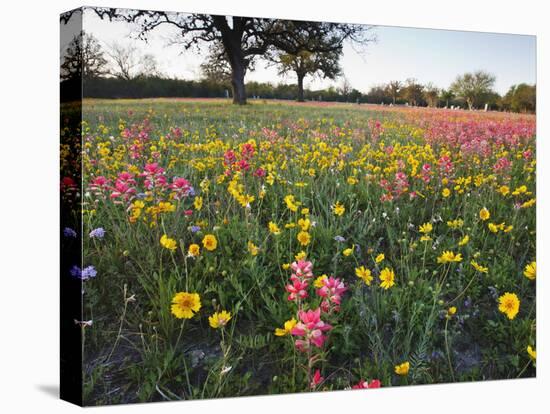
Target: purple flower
<point>195,229</point>
<point>88,272</point>
<point>84,274</point>
<point>76,272</point>
<point>339,239</point>
<point>98,233</point>
<point>68,232</point>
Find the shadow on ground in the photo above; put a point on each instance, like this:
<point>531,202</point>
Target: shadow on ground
<point>49,389</point>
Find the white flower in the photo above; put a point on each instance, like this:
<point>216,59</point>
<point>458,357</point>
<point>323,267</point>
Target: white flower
<point>225,370</point>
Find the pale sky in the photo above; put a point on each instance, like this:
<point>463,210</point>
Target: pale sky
<point>429,55</point>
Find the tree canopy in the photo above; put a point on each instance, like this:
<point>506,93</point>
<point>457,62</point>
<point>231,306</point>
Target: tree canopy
<point>474,87</point>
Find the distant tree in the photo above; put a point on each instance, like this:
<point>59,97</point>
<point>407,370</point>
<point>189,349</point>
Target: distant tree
<point>128,63</point>
<point>393,89</point>
<point>312,48</point>
<point>345,88</point>
<point>378,94</point>
<point>413,92</point>
<point>83,58</point>
<point>148,67</point>
<point>125,60</point>
<point>431,94</point>
<point>446,95</point>
<point>521,98</point>
<point>473,88</point>
<point>493,100</point>
<point>304,63</point>
<point>215,68</point>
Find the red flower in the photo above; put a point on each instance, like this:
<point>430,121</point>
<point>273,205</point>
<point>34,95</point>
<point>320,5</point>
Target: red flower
<point>316,380</point>
<point>365,385</point>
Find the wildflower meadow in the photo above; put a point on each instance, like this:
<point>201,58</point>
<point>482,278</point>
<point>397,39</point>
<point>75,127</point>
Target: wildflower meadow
<point>280,247</point>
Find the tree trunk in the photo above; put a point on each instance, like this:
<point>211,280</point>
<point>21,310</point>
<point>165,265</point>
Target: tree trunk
<point>232,43</point>
<point>237,82</point>
<point>300,87</point>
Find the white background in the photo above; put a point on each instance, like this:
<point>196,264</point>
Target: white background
<point>29,205</point>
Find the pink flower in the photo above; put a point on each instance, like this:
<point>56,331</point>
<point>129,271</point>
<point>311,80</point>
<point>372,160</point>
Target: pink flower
<point>297,289</point>
<point>260,172</point>
<point>332,290</point>
<point>316,380</point>
<point>365,385</point>
<point>181,187</point>
<point>243,165</point>
<point>247,150</point>
<point>153,169</point>
<point>67,182</point>
<point>100,181</point>
<point>302,269</point>
<point>502,164</point>
<point>229,157</point>
<point>312,328</point>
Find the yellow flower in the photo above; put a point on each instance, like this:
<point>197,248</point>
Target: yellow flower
<point>484,214</point>
<point>194,250</point>
<point>252,248</point>
<point>425,238</point>
<point>305,211</point>
<point>504,190</point>
<point>464,240</point>
<point>530,271</point>
<point>450,312</point>
<point>493,227</point>
<point>352,180</point>
<point>198,203</point>
<point>219,319</point>
<point>448,256</point>
<point>300,256</point>
<point>138,204</point>
<point>520,190</point>
<point>184,305</point>
<point>402,369</point>
<point>168,243</point>
<point>304,238</point>
<point>529,203</point>
<point>455,224</point>
<point>338,209</point>
<point>304,224</point>
<point>210,242</point>
<point>274,229</point>
<point>348,251</point>
<point>286,266</point>
<point>318,283</point>
<point>387,278</point>
<point>509,304</point>
<point>425,228</point>
<point>166,207</point>
<point>380,258</point>
<point>291,203</point>
<point>287,328</point>
<point>446,192</point>
<point>478,267</point>
<point>532,353</point>
<point>364,273</point>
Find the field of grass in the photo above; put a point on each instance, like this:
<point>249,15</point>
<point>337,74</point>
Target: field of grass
<point>278,248</point>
